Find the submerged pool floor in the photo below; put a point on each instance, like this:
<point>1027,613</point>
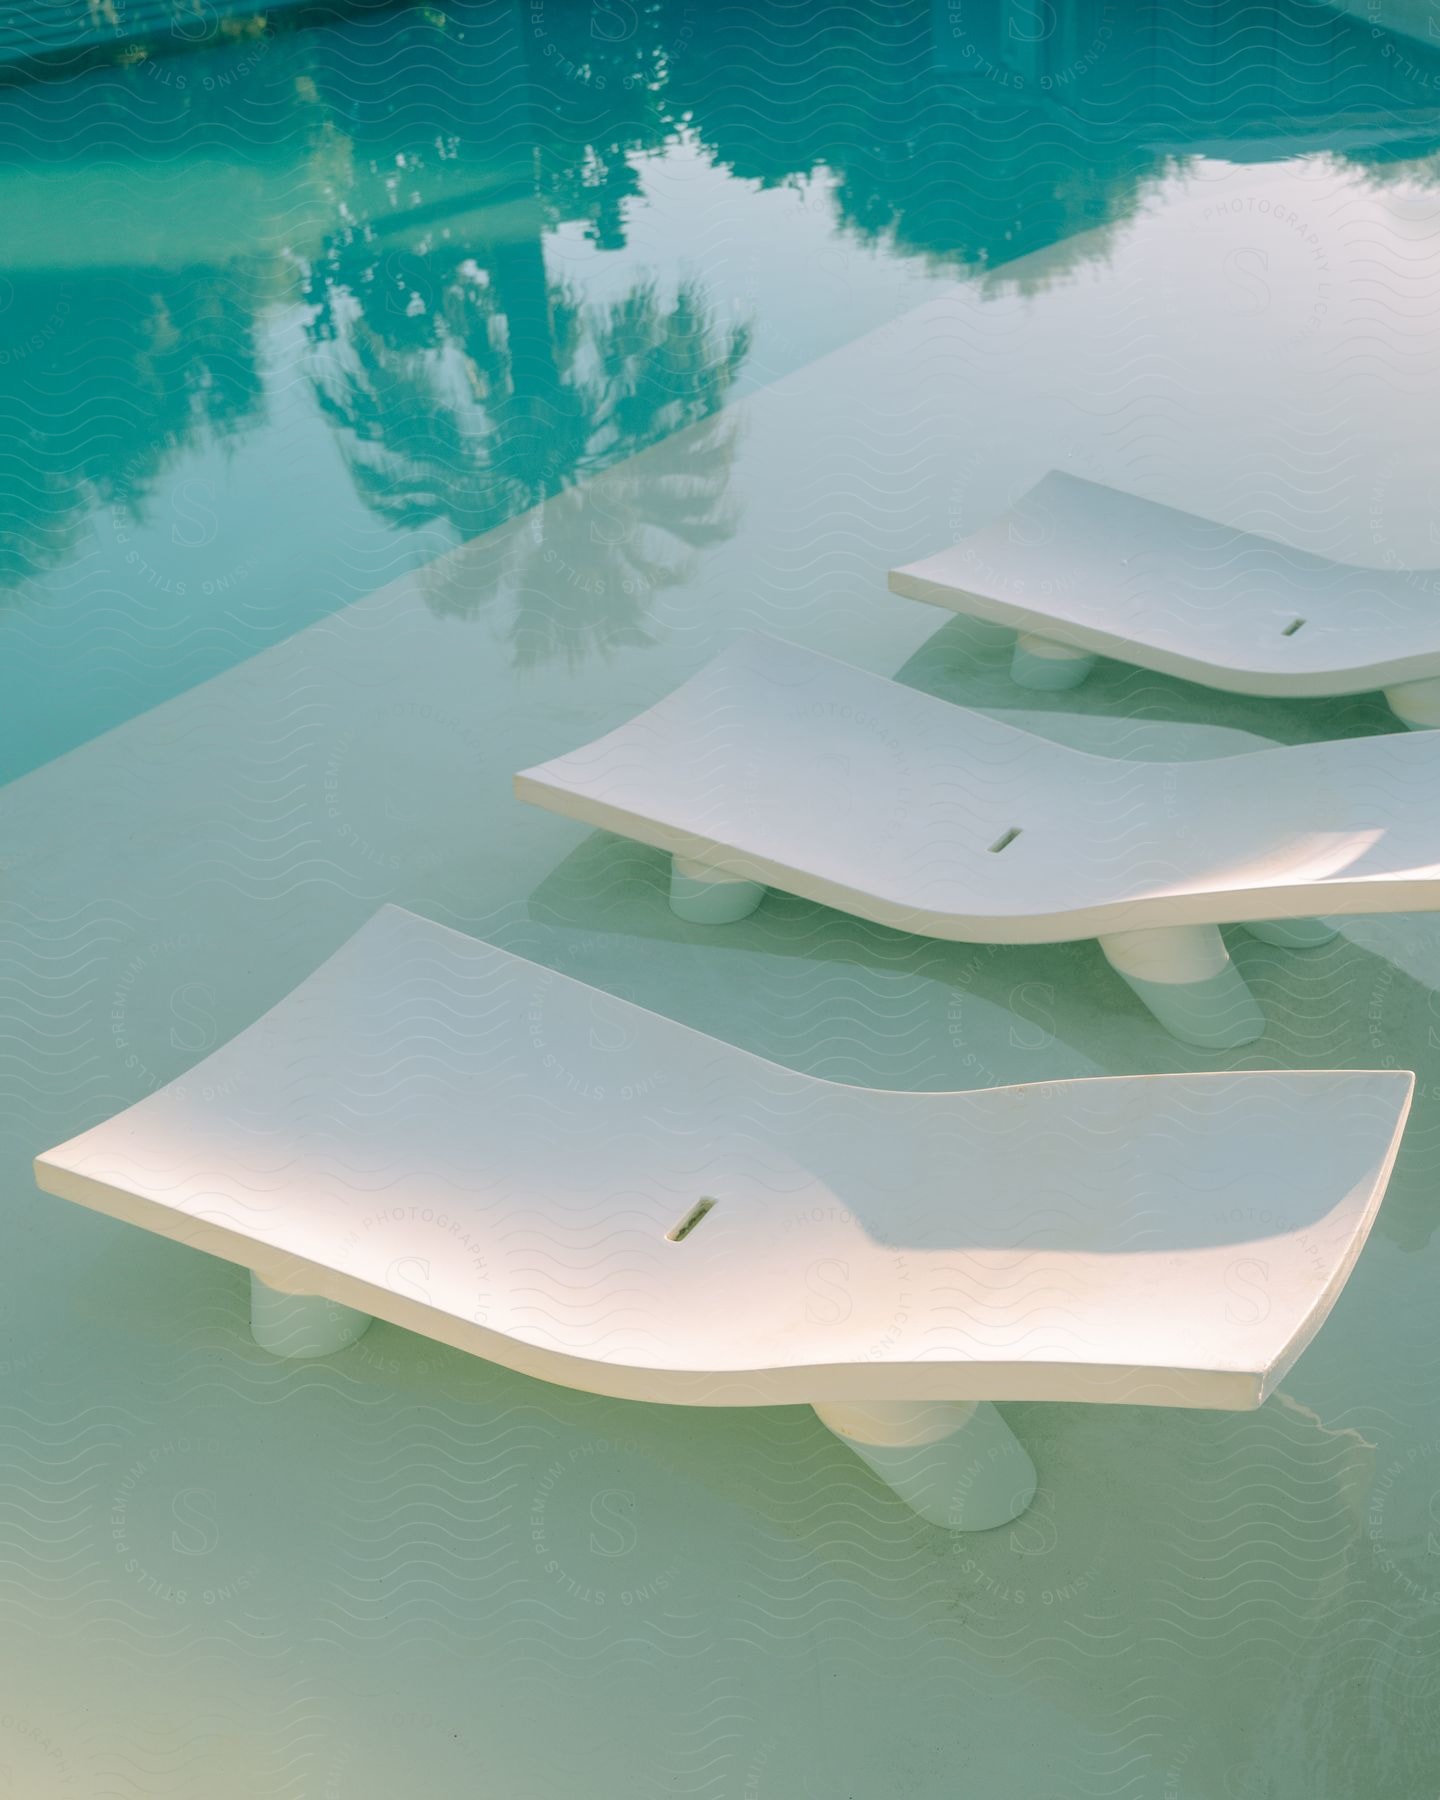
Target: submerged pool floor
<point>404,1571</point>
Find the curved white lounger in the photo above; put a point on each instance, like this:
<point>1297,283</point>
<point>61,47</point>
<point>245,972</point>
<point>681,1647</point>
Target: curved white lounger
<point>1079,569</point>
<point>776,766</point>
<point>478,1149</point>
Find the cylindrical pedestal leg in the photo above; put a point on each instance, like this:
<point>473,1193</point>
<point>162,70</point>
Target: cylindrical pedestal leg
<point>1040,663</point>
<point>955,1462</point>
<point>1293,934</point>
<point>1184,974</point>
<point>301,1325</point>
<point>705,896</point>
<point>1416,702</point>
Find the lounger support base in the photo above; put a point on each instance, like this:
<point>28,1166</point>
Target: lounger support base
<point>955,1462</point>
<point>1184,975</point>
<point>301,1325</point>
<point>1416,702</point>
<point>1293,934</point>
<point>705,896</point>
<point>1042,664</point>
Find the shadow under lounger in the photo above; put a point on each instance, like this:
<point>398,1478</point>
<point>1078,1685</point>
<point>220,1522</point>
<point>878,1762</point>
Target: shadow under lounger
<point>1078,570</point>
<point>778,767</point>
<point>610,1201</point>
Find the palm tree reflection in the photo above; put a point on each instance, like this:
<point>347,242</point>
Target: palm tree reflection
<point>471,393</point>
<point>579,572</point>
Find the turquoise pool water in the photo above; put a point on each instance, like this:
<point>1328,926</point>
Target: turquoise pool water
<point>390,405</point>
<point>289,314</point>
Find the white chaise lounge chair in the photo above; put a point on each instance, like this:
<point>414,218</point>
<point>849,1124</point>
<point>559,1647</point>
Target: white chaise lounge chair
<point>1079,569</point>
<point>478,1149</point>
<point>775,766</point>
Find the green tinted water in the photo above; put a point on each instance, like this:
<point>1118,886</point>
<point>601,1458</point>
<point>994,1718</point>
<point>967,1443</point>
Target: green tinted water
<point>389,406</point>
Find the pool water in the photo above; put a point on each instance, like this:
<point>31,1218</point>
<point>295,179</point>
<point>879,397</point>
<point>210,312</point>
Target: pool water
<point>386,406</point>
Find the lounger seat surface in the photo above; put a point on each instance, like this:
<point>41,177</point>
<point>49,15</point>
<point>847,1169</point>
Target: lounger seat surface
<point>1105,571</point>
<point>484,1151</point>
<point>785,767</point>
